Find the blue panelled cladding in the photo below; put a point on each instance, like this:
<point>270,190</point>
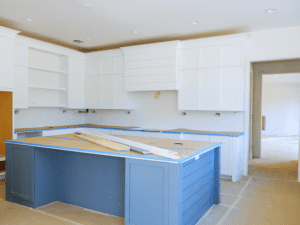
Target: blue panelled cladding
<point>197,187</point>
<point>169,192</point>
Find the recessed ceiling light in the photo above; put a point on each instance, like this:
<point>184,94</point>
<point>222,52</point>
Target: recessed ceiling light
<point>88,39</point>
<point>270,10</point>
<point>87,5</point>
<point>78,41</point>
<point>29,19</point>
<point>195,22</point>
<point>135,31</point>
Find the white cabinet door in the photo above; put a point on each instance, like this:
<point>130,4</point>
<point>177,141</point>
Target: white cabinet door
<point>232,89</point>
<point>208,57</point>
<point>188,59</point>
<point>76,66</point>
<point>106,66</point>
<point>6,63</point>
<point>230,55</point>
<point>226,157</point>
<point>208,89</point>
<point>21,87</point>
<point>119,93</point>
<point>106,91</point>
<point>92,67</point>
<point>76,93</point>
<point>92,92</point>
<point>118,64</point>
<point>21,55</point>
<point>188,92</point>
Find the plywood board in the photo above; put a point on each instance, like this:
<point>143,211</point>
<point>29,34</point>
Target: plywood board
<point>72,141</point>
<point>181,130</point>
<point>109,144</point>
<point>76,125</point>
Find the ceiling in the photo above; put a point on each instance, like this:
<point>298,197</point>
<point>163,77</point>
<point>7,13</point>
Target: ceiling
<point>287,78</point>
<point>109,23</point>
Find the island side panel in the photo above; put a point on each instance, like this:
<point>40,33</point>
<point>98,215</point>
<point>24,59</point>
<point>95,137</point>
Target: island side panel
<point>198,187</point>
<point>217,176</point>
<point>148,195</point>
<point>20,174</point>
<point>93,181</point>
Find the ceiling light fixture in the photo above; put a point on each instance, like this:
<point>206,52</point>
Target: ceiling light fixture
<point>135,31</point>
<point>29,19</point>
<point>195,22</point>
<point>87,5</point>
<point>78,41</point>
<point>270,10</point>
<point>88,39</point>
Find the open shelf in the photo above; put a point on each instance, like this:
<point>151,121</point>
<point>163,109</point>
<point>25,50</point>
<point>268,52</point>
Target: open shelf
<point>46,69</point>
<point>46,87</point>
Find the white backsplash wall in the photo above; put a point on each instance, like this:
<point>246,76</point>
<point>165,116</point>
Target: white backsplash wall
<point>163,113</point>
<point>39,117</point>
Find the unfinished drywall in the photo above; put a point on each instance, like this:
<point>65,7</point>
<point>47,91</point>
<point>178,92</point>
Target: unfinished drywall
<point>280,105</point>
<point>162,113</point>
<point>39,117</point>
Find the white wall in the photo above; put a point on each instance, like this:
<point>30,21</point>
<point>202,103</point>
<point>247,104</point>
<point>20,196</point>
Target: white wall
<point>280,105</point>
<point>39,117</point>
<point>162,113</point>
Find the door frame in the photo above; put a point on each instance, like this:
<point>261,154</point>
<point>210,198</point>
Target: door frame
<point>275,66</point>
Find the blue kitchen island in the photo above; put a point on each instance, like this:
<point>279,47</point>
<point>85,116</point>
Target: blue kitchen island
<point>143,189</point>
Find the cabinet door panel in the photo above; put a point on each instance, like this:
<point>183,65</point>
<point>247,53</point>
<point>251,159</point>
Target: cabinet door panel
<point>188,59</point>
<point>76,66</point>
<point>21,87</point>
<point>106,65</point>
<point>106,91</point>
<point>76,95</point>
<point>188,91</point>
<point>208,57</point>
<point>119,94</point>
<point>21,55</point>
<point>208,89</point>
<point>22,172</point>
<point>118,64</point>
<point>232,89</point>
<point>230,55</point>
<point>92,92</point>
<point>226,157</point>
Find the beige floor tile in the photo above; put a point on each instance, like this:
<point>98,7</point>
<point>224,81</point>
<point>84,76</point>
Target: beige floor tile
<point>266,188</point>
<point>245,178</point>
<point>228,199</point>
<point>233,188</point>
<point>2,189</point>
<point>14,214</point>
<point>214,216</point>
<point>80,215</point>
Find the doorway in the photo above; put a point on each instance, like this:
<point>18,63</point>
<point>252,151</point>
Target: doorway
<point>283,69</point>
<point>6,123</point>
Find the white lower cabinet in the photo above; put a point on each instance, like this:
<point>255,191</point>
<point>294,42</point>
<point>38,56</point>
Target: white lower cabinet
<point>194,137</point>
<point>231,155</point>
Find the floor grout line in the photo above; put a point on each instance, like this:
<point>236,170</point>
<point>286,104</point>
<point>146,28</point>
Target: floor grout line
<point>276,179</point>
<point>46,205</point>
<point>229,206</point>
<point>234,204</point>
<point>57,217</point>
<point>233,195</point>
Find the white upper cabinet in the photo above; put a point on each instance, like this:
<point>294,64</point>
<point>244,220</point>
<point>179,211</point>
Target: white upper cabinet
<point>220,77</point>
<point>187,59</point>
<point>188,93</point>
<point>208,57</point>
<point>208,85</point>
<point>21,87</point>
<point>21,55</point>
<point>151,67</point>
<point>232,88</point>
<point>230,55</point>
<point>104,87</point>
<point>76,92</point>
<point>76,66</point>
